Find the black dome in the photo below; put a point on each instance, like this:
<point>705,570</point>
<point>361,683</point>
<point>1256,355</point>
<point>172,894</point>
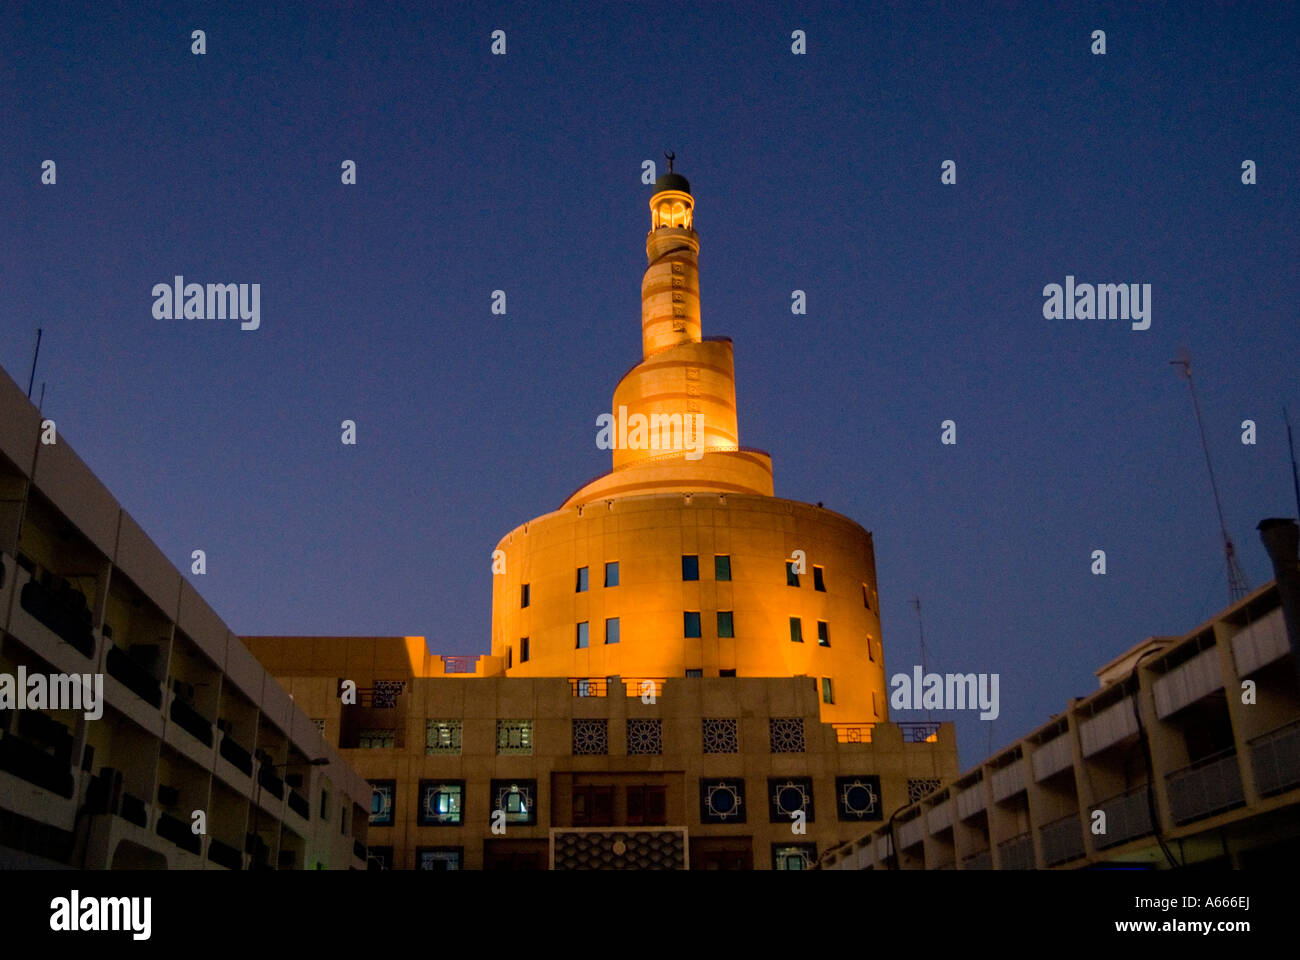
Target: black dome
<point>673,181</point>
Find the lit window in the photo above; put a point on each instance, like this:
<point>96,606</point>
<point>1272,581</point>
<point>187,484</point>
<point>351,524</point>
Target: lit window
<point>611,630</point>
<point>441,802</point>
<point>515,737</point>
<point>791,575</point>
<point>381,802</point>
<point>795,856</point>
<point>796,630</point>
<point>823,633</point>
<point>819,580</point>
<point>441,736</point>
<point>694,673</point>
<point>439,858</point>
<point>582,580</point>
<point>523,649</point>
<point>827,697</point>
<point>722,568</point>
<point>690,567</point>
<point>611,574</point>
<point>726,627</point>
<point>517,798</point>
<point>582,635</point>
<point>692,623</point>
<point>523,595</point>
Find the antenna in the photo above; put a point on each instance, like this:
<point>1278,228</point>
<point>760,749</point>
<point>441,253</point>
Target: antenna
<point>916,602</point>
<point>32,379</point>
<point>1295,477</point>
<point>1237,587</point>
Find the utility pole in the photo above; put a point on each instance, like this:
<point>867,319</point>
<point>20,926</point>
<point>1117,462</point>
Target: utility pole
<point>1237,587</point>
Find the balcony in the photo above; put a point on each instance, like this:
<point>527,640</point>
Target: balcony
<point>1188,682</point>
<point>1062,840</point>
<point>271,783</point>
<point>224,855</point>
<point>1017,853</point>
<point>1009,780</point>
<point>978,861</point>
<point>920,732</point>
<point>1204,788</point>
<point>939,818</point>
<point>853,733</point>
<point>30,763</point>
<point>63,611</point>
<point>1108,727</point>
<point>970,801</point>
<point>134,677</point>
<point>1051,758</point>
<point>1128,815</point>
<point>236,755</point>
<point>299,805</point>
<point>910,833</point>
<point>179,833</point>
<point>1276,759</point>
<point>192,722</point>
<point>1260,644</point>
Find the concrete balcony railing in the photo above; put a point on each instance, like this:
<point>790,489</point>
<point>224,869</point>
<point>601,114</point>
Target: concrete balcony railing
<point>1207,787</point>
<point>978,861</point>
<point>910,833</point>
<point>939,818</point>
<point>1017,853</point>
<point>1188,682</point>
<point>1052,757</point>
<point>1260,643</point>
<point>1062,840</point>
<point>970,801</point>
<point>1009,780</point>
<point>1108,727</point>
<point>1128,815</point>
<point>1276,759</point>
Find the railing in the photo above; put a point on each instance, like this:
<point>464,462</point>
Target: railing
<point>1206,787</point>
<point>191,721</point>
<point>978,861</point>
<point>1062,840</point>
<point>589,686</point>
<point>920,732</point>
<point>641,686</point>
<point>1017,853</point>
<point>1276,758</point>
<point>383,695</point>
<point>456,664</point>
<point>1128,815</point>
<point>853,733</point>
<point>134,677</point>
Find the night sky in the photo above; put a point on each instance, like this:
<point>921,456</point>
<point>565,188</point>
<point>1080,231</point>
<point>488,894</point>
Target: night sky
<point>523,173</point>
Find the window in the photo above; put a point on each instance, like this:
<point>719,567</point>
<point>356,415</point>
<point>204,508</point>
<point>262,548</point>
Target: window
<point>439,858</point>
<point>819,581</point>
<point>523,595</point>
<point>722,568</point>
<point>582,580</point>
<point>647,806</point>
<point>875,712</point>
<point>788,796</point>
<point>593,806</point>
<point>515,737</point>
<point>518,798</point>
<point>786,734</point>
<point>645,737</point>
<point>827,697</point>
<point>611,574</point>
<point>379,858</point>
<point>823,633</point>
<point>726,673</point>
<point>441,736</point>
<point>377,739</point>
<point>721,734</point>
<point>871,653</point>
<point>582,635</point>
<point>510,657</point>
<point>691,624</point>
<point>722,800</point>
<point>441,802</point>
<point>796,630</point>
<point>791,575</point>
<point>523,649</point>
<point>866,597</point>
<point>611,630</point>
<point>590,737</point>
<point>858,798</point>
<point>381,802</point>
<point>794,856</point>
<point>690,567</point>
<point>726,626</point>
<point>695,673</point>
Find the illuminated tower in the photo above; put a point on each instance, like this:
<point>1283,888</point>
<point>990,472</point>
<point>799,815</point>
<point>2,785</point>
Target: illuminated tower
<point>676,562</point>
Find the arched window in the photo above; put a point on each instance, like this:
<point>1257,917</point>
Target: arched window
<point>679,214</point>
<point>665,215</point>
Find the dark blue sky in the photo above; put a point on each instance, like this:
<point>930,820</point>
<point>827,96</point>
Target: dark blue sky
<point>522,173</point>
